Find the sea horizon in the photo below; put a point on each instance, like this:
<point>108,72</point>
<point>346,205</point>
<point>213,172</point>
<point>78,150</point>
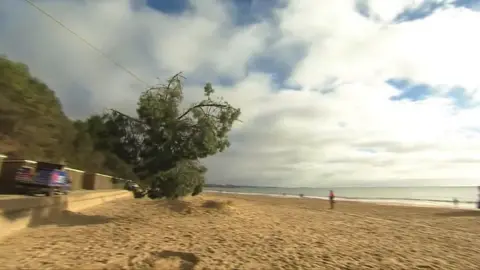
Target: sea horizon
<point>467,196</point>
<point>346,186</point>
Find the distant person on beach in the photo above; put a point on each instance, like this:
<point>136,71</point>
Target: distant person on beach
<point>455,202</point>
<point>478,201</point>
<point>331,198</point>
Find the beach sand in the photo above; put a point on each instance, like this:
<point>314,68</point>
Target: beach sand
<point>226,231</point>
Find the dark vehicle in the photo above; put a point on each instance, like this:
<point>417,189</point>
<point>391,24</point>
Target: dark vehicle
<point>130,185</point>
<point>44,178</point>
<point>136,189</point>
<point>155,193</point>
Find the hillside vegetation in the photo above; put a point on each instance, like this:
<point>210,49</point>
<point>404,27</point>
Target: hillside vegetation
<point>162,145</point>
<point>34,126</point>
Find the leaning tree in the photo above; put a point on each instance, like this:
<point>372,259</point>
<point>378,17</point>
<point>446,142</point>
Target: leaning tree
<point>165,143</point>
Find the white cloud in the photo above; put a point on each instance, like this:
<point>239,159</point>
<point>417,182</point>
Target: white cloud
<point>345,45</point>
<point>353,133</point>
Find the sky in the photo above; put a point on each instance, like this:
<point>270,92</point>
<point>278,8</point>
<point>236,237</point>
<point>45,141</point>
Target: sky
<point>333,93</point>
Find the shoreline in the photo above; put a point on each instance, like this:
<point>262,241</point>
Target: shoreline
<point>436,204</point>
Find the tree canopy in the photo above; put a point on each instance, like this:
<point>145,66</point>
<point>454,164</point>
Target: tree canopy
<point>165,143</point>
<point>162,145</point>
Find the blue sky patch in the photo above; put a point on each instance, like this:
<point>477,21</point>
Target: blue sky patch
<point>169,6</point>
<point>410,91</point>
<point>426,9</point>
<point>252,11</point>
<point>414,92</point>
<point>363,9</point>
<point>280,69</point>
<point>243,12</point>
<point>460,97</point>
<point>471,4</point>
<point>225,81</point>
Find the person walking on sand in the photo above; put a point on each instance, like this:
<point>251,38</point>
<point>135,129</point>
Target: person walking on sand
<point>478,203</point>
<point>455,202</point>
<point>331,198</point>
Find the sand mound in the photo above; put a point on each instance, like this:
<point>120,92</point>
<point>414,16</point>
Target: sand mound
<point>220,205</point>
<point>179,206</point>
<point>198,206</point>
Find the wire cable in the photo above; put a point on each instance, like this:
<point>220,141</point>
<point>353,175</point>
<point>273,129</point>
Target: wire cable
<point>31,3</point>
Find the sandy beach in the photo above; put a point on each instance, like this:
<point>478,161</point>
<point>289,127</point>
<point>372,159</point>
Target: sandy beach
<point>225,231</point>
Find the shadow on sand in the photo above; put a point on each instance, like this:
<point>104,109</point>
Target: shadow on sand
<point>188,260</point>
<point>50,211</point>
<point>68,218</point>
<point>460,213</point>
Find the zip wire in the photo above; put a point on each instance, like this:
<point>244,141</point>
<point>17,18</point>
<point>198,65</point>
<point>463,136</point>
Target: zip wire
<point>30,2</point>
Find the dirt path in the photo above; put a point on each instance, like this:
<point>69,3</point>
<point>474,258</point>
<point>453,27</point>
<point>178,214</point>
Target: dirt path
<point>249,232</point>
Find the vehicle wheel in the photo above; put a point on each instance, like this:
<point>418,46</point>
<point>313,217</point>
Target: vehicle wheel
<point>50,192</point>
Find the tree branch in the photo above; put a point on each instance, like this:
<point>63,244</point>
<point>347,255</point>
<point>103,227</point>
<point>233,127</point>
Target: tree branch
<point>170,81</point>
<point>127,116</point>
<point>201,106</point>
<point>175,78</point>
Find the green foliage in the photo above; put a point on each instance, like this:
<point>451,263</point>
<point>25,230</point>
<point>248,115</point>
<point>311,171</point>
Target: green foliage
<point>198,189</point>
<point>84,154</point>
<point>162,146</point>
<point>95,140</point>
<point>166,143</point>
<point>187,177</point>
<point>32,122</point>
<point>34,126</point>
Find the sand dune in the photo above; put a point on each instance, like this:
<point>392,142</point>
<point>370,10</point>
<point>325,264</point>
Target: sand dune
<point>220,231</point>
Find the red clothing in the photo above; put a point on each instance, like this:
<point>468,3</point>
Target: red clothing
<point>332,195</point>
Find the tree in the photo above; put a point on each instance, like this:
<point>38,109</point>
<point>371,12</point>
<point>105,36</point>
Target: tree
<point>166,143</point>
<point>162,145</point>
<point>96,141</point>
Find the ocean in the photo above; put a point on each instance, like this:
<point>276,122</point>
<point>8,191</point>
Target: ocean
<point>421,196</point>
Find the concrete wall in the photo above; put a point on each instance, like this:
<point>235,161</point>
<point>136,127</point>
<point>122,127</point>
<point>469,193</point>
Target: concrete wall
<point>2,157</point>
<point>17,213</point>
<point>96,181</point>
<point>77,178</point>
<point>103,181</point>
